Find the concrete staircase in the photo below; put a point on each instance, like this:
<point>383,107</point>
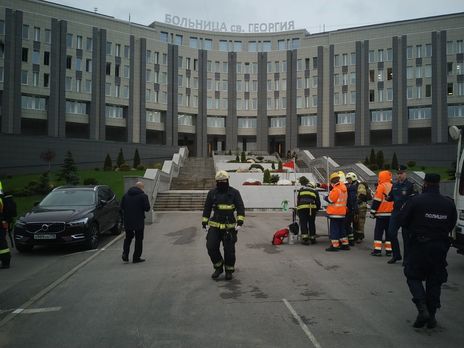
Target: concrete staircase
<point>188,191</point>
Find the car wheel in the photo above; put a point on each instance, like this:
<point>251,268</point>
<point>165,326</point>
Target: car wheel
<point>92,237</point>
<point>23,248</point>
<point>117,228</point>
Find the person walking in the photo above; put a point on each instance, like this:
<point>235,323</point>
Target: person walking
<point>401,191</point>
<point>223,201</point>
<point>381,211</point>
<point>308,204</point>
<point>336,211</point>
<point>134,204</point>
<point>351,205</point>
<point>428,218</point>
<point>5,254</point>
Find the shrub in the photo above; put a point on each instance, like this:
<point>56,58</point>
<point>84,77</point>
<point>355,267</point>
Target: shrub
<point>96,169</point>
<point>136,158</point>
<point>273,165</point>
<point>380,159</point>
<point>423,168</point>
<point>267,176</point>
<point>411,164</point>
<point>68,171</point>
<point>255,165</point>
<point>386,166</point>
<point>140,167</point>
<point>48,157</point>
<point>259,158</point>
<point>372,158</point>
<point>373,167</point>
<point>303,180</point>
<point>229,152</point>
<point>120,160</point>
<point>280,165</point>
<point>108,165</point>
<point>124,167</point>
<point>90,181</point>
<point>274,178</point>
<point>395,164</point>
<point>237,159</point>
<point>366,161</point>
<point>243,157</point>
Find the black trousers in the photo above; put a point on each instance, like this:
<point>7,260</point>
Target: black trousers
<point>213,242</point>
<point>392,234</point>
<point>349,225</point>
<point>381,227</point>
<point>307,222</point>
<point>426,262</point>
<point>130,234</point>
<point>5,259</point>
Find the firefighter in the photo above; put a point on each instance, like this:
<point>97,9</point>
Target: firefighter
<point>336,211</point>
<point>363,195</point>
<point>401,191</point>
<point>308,203</point>
<point>380,211</point>
<point>351,205</point>
<point>429,218</point>
<point>5,255</point>
<point>223,226</point>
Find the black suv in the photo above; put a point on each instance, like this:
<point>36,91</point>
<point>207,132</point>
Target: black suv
<point>69,215</point>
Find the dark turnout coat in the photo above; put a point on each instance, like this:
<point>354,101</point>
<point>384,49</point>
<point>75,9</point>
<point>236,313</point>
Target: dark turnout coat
<point>134,204</point>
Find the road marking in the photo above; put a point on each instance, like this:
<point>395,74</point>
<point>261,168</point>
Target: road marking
<point>36,310</point>
<point>302,325</point>
<point>57,282</point>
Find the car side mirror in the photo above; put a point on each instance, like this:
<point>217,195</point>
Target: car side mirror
<point>102,203</point>
<point>36,203</point>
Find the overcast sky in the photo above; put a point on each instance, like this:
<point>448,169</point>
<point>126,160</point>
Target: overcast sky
<point>307,14</point>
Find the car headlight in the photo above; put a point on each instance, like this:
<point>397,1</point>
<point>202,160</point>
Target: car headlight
<point>79,222</point>
<point>20,224</point>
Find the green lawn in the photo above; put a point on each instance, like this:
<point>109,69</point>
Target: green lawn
<point>115,180</point>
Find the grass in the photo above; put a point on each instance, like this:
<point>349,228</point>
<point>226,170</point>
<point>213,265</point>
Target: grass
<point>113,179</point>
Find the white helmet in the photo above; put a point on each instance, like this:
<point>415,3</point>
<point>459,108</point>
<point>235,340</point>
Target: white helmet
<point>311,184</point>
<point>222,175</point>
<point>352,176</point>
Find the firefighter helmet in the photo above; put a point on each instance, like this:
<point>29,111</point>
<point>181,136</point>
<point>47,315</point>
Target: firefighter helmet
<point>351,176</point>
<point>222,175</point>
<point>334,175</point>
<point>342,176</point>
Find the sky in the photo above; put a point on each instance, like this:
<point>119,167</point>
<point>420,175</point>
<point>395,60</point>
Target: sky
<point>311,15</point>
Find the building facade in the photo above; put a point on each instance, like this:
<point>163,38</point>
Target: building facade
<point>69,73</point>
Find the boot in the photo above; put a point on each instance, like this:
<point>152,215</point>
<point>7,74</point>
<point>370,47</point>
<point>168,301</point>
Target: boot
<point>313,240</point>
<point>423,315</point>
<point>345,247</point>
<point>432,323</point>
<point>394,259</point>
<point>217,272</point>
<point>351,242</point>
<point>376,253</point>
<point>332,248</point>
<point>228,275</point>
<point>305,242</point>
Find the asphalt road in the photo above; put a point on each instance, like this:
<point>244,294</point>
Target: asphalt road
<point>285,296</point>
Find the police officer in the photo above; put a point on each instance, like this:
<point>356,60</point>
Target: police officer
<point>351,205</point>
<point>308,203</point>
<point>401,191</point>
<point>336,211</point>
<point>223,226</point>
<point>429,218</point>
<point>5,255</point>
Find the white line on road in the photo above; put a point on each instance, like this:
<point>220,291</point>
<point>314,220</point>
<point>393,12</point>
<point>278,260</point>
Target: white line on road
<point>36,310</point>
<point>302,325</point>
<point>57,282</point>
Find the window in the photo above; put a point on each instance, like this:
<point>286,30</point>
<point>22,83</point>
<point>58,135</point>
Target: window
<point>299,102</point>
<point>371,95</point>
<point>89,44</point>
<point>207,44</point>
<point>36,34</point>
<point>409,52</point>
<point>389,74</point>
<point>25,52</point>
<point>409,92</point>
<point>2,28</point>
<point>108,89</point>
<point>225,67</point>
<point>79,42</point>
<point>314,101</point>
<point>48,36</point>
<point>25,32</point>
<point>308,120</point>
<point>125,93</point>
<point>68,62</point>
<point>428,50</point>
<point>449,47</point>
<point>148,75</point>
<point>267,47</point>
<point>380,75</point>
<point>75,107</point>
<point>299,83</point>
<point>460,88</point>
<point>389,54</point>
<point>450,88</point>
<point>409,72</point>
<point>164,36</point>
<point>389,94</point>
<point>381,115</point>
<point>154,116</point>
<point>108,68</point>
<point>69,40</point>
<point>345,117</point>
<point>344,59</point>
<point>246,122</point>
<point>314,62</point>
<point>117,52</point>
<point>353,98</point>
<point>455,110</point>
<point>126,71</point>
<point>418,92</point>
<point>418,51</point>
<point>113,111</point>
<point>68,84</point>
<point>371,75</point>
<point>108,48</point>
<point>418,72</point>
<point>223,45</point>
<point>295,43</point>
<point>380,55</point>
<point>88,86</point>
<point>353,58</point>
<point>277,122</point>
<point>216,122</point>
<point>336,79</point>
<point>380,95</point>
<point>35,79</point>
<point>178,40</point>
<point>337,60</point>
<point>252,46</point>
<point>459,46</point>
<point>33,103</point>
<point>126,51</point>
<point>281,45</point>
<point>336,100</point>
<point>420,113</point>
<point>88,65</point>
<point>117,91</point>
<point>371,56</point>
<point>353,78</point>
<point>78,64</point>
<point>450,68</point>
<point>428,91</point>
<point>237,46</point>
<point>46,80</point>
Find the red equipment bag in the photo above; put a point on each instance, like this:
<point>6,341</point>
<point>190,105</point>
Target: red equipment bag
<point>279,236</point>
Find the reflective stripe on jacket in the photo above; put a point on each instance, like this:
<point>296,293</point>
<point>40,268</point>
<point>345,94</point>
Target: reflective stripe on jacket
<point>380,206</point>
<point>337,201</point>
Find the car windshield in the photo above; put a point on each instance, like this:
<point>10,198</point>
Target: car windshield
<point>69,198</point>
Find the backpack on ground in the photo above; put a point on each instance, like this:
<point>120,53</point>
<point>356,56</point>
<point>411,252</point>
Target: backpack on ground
<point>279,236</point>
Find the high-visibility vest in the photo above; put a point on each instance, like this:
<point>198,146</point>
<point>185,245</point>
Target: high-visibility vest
<point>337,201</point>
<point>385,208</point>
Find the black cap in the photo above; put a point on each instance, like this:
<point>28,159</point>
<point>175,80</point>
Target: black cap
<point>432,178</point>
<point>402,168</point>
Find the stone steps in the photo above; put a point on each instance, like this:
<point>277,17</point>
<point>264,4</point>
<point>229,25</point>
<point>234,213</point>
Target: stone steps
<point>180,200</point>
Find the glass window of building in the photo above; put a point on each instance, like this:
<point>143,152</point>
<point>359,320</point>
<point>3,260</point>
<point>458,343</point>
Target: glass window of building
<point>389,94</point>
<point>284,103</point>
<point>269,85</point>
<point>277,122</point>
<point>126,92</point>
<point>247,86</point>
<point>35,57</point>
<point>314,81</point>
<point>380,55</point>
<point>371,56</point>
<point>117,91</point>
<point>109,48</point>
<point>336,99</point>
<point>225,67</point>
<point>246,122</point>
<point>254,86</point>
<point>238,68</point>
<point>88,86</point>
<point>108,68</point>
<point>277,67</point>
<point>307,102</point>
<point>299,65</point>
<point>409,92</point>
<point>352,97</point>
<point>239,85</point>
<point>299,102</point>
<point>2,27</point>
<point>371,96</point>
<point>306,82</point>
<point>353,58</point>
<point>269,67</point>
<point>409,52</point>
<point>37,34</point>
<point>126,71</point>
<point>381,115</point>
<point>108,89</point>
<point>78,64</point>
<point>409,72</point>
<point>428,50</point>
<point>225,85</point>
<point>314,101</point>
<point>336,60</point>
<point>269,103</point>
<point>79,42</point>
<point>209,84</point>
<point>336,79</point>
<point>295,43</point>
<point>418,72</point>
<point>315,62</point>
<point>389,54</point>
<point>371,75</point>
<point>89,45</point>
<point>308,120</point>
<point>178,40</point>
<point>216,122</point>
<point>450,88</point>
<point>209,66</point>
<point>455,110</point>
<point>223,45</point>
<point>217,66</point>
<point>283,85</point>
<point>299,83</point>
<point>180,98</point>
<point>237,46</point>
<point>281,45</point>
<point>25,32</point>
<point>284,66</point>
<point>380,75</point>
<point>239,104</point>
<point>353,78</point>
<point>69,40</point>
<point>345,79</point>
<point>344,59</point>
<point>345,117</point>
<point>254,68</point>
<point>48,36</point>
<point>254,103</point>
<point>418,51</point>
<point>389,74</point>
<point>267,46</point>
<point>195,82</point>
<point>164,36</point>
<point>459,46</point>
<point>420,113</point>
<point>419,92</point>
<point>252,46</point>
<point>380,95</point>
<point>35,79</point>
<point>207,44</point>
<point>193,42</point>
<point>68,84</point>
<point>449,47</point>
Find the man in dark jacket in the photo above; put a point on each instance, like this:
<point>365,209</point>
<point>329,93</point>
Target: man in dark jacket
<point>134,204</point>
<point>308,203</point>
<point>428,218</point>
<point>223,226</point>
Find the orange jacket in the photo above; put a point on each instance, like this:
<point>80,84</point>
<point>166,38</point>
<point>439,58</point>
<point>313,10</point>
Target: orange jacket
<point>380,207</point>
<point>337,201</point>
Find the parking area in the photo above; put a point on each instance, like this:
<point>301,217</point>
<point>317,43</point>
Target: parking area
<point>288,295</point>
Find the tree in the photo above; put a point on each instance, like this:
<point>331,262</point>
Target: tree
<point>380,159</point>
<point>280,165</point>
<point>366,161</point>
<point>372,158</point>
<point>108,165</point>
<point>243,157</point>
<point>394,164</point>
<point>136,158</point>
<point>48,156</point>
<point>120,160</point>
<point>68,171</point>
<point>237,159</point>
<point>266,176</point>
<point>273,165</point>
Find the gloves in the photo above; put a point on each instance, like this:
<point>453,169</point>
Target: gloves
<point>204,224</point>
<point>372,214</point>
<point>238,227</point>
<point>239,223</point>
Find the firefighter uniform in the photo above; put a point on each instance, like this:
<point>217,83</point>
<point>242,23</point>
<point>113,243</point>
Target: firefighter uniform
<point>308,203</point>
<point>351,205</point>
<point>381,210</point>
<point>5,255</point>
<point>223,201</point>
<point>336,211</point>
<point>429,218</point>
<point>359,219</point>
